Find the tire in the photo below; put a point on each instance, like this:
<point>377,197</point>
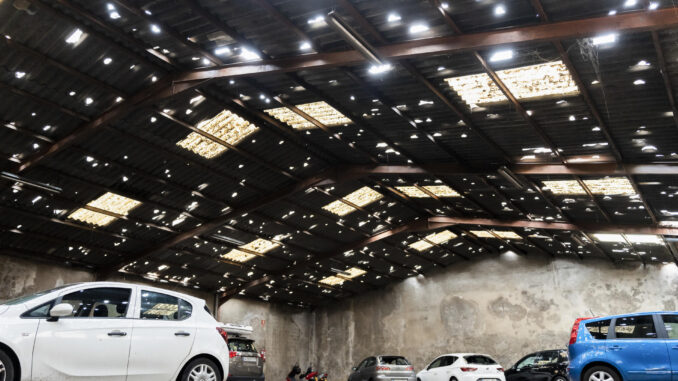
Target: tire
<point>200,369</point>
<point>559,378</point>
<point>6,367</point>
<point>601,373</point>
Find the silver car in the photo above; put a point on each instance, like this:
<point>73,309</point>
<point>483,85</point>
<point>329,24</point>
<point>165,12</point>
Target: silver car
<point>383,368</point>
<point>246,364</point>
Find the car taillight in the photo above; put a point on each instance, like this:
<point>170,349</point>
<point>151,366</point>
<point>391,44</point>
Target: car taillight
<point>232,354</point>
<point>575,330</point>
<point>223,334</point>
<point>383,368</point>
<point>500,369</point>
<point>466,369</point>
<point>262,355</point>
<point>409,368</point>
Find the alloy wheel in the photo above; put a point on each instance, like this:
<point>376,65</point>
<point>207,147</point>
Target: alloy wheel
<point>3,372</point>
<point>201,372</point>
<point>600,376</point>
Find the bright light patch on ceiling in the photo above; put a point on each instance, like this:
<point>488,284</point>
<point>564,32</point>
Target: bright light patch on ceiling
<point>604,39</point>
<point>226,126</point>
<point>320,111</point>
<point>110,202</point>
<point>393,17</point>
<point>609,186</point>
<point>433,239</point>
<point>361,197</point>
<point>418,28</point>
<point>499,233</point>
<point>259,245</point>
<point>438,190</point>
<point>632,238</point>
<point>501,55</point>
<point>528,82</point>
<point>381,68</point>
<point>339,279</point>
<point>75,37</point>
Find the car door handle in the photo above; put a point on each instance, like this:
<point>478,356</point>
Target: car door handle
<point>182,333</point>
<point>615,348</point>
<point>117,333</point>
<point>674,347</point>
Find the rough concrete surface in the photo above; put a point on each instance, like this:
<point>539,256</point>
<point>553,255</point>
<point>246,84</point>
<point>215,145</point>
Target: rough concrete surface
<point>21,277</point>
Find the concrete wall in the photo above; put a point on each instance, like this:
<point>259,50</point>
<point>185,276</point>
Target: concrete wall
<point>505,307</point>
<point>285,333</point>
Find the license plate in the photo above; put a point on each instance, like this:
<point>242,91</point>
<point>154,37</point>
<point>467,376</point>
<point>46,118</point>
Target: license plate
<point>249,359</point>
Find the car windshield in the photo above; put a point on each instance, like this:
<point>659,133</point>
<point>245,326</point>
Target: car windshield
<point>538,359</point>
<point>27,298</point>
<point>241,345</point>
<point>394,360</point>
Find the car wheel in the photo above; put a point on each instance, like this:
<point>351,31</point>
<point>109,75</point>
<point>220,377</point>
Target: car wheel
<point>601,373</point>
<point>6,367</point>
<point>200,369</point>
<point>559,378</point>
<point>453,379</point>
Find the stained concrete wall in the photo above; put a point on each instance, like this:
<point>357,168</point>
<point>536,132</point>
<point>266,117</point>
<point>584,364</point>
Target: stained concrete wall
<point>505,307</point>
<point>20,277</point>
<point>285,333</point>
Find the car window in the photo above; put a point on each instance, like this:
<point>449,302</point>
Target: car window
<point>100,302</point>
<point>671,326</point>
<point>371,362</point>
<point>393,360</point>
<point>599,329</point>
<point>241,345</point>
<point>635,327</point>
<point>479,360</point>
<point>448,360</point>
<point>527,361</point>
<point>436,363</point>
<point>41,311</point>
<point>363,364</point>
<point>158,306</point>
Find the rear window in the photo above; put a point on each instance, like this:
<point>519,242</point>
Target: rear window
<point>480,360</point>
<point>598,329</point>
<point>394,360</point>
<point>241,345</point>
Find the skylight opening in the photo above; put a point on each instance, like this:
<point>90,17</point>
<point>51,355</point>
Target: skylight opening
<point>605,39</point>
<point>547,80</point>
<point>320,111</point>
<point>110,202</point>
<point>433,239</point>
<point>500,10</point>
<point>610,186</point>
<point>226,126</point>
<point>380,68</point>
<point>438,190</point>
<point>361,197</point>
<point>393,17</point>
<point>339,279</point>
<point>76,37</point>
<point>504,234</point>
<point>632,238</point>
<point>259,245</point>
<point>417,28</point>
<point>332,281</point>
<point>502,55</point>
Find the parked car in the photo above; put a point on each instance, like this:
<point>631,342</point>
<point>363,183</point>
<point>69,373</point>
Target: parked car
<point>112,331</point>
<point>633,347</point>
<point>548,365</point>
<point>245,363</point>
<point>386,368</point>
<point>462,367</point>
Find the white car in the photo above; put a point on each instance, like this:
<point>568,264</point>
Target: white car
<point>110,331</point>
<point>462,367</point>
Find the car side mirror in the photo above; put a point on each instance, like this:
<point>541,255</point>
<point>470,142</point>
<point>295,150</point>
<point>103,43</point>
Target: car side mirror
<point>60,310</point>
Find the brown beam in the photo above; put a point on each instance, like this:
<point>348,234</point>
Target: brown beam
<point>631,22</point>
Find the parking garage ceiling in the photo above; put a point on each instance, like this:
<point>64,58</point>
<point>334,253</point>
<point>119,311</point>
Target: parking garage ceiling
<point>305,151</point>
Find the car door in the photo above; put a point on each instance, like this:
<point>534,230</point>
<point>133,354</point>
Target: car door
<point>670,324</point>
<point>544,366</point>
<point>369,369</point>
<point>445,370</point>
<point>355,375</point>
<point>91,344</point>
<point>162,337</point>
<point>428,373</point>
<point>634,347</point>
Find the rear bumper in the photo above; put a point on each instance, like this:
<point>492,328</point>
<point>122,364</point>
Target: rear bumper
<point>245,378</point>
<point>487,376</point>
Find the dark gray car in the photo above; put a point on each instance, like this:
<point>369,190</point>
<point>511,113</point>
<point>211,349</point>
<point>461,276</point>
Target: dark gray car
<point>383,368</point>
<point>246,364</point>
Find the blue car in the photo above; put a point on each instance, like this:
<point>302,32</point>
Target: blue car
<point>633,347</point>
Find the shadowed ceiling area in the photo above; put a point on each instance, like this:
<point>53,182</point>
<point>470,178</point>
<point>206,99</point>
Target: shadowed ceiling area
<point>301,152</point>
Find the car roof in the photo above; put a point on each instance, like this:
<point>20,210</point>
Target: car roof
<point>192,299</point>
<point>597,318</point>
<point>465,354</point>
